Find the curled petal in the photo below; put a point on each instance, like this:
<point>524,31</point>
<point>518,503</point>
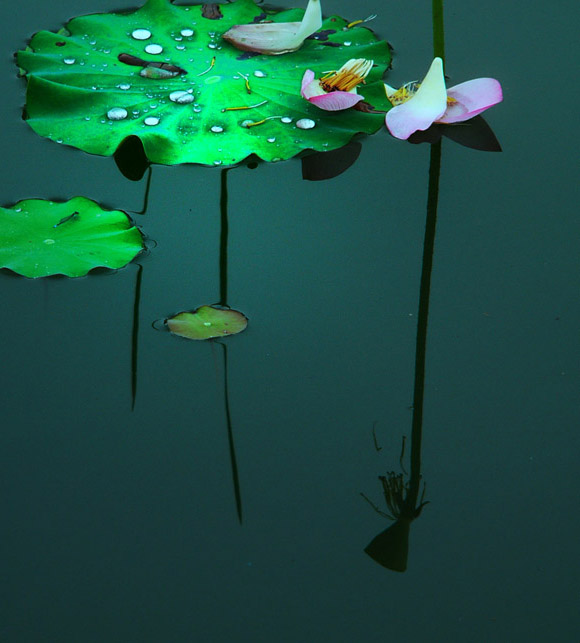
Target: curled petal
<point>310,87</point>
<point>424,108</point>
<point>335,101</point>
<point>473,97</point>
<point>276,37</point>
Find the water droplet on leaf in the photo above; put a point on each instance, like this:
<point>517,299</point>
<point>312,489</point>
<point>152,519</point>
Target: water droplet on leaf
<point>217,129</point>
<point>181,97</point>
<point>117,114</point>
<point>260,74</point>
<point>69,61</point>
<point>187,32</point>
<point>286,119</point>
<point>305,123</point>
<point>151,120</point>
<point>141,34</point>
<point>153,49</point>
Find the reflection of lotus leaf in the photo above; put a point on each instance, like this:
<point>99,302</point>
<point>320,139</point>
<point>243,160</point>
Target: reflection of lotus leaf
<point>207,322</point>
<point>40,238</point>
<point>181,104</point>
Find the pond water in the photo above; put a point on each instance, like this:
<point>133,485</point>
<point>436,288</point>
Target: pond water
<point>121,512</point>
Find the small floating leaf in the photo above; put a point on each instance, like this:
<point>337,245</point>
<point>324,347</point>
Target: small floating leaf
<point>207,322</point>
<point>40,238</point>
<point>165,73</point>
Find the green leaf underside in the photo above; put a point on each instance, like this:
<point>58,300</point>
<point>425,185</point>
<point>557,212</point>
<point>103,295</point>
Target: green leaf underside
<point>75,79</point>
<point>40,238</point>
<point>207,322</point>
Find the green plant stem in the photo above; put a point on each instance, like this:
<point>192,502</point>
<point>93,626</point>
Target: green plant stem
<point>438,30</point>
<point>422,323</point>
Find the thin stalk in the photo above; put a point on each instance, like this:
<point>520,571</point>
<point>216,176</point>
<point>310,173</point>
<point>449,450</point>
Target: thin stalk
<point>233,460</point>
<point>224,239</point>
<point>422,323</point>
<point>135,335</point>
<point>438,30</point>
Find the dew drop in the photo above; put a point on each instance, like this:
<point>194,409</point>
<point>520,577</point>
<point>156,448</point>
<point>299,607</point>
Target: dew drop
<point>260,74</point>
<point>141,34</point>
<point>117,114</point>
<point>180,48</point>
<point>187,32</point>
<point>197,109</point>
<point>305,123</point>
<point>212,45</point>
<point>217,129</point>
<point>49,242</point>
<point>69,61</point>
<point>151,120</point>
<point>207,323</point>
<point>153,49</point>
<point>181,97</point>
<point>217,163</point>
<point>124,86</point>
<point>272,139</point>
<point>347,43</point>
<point>286,119</point>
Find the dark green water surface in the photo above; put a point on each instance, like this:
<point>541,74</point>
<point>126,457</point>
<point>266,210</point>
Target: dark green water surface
<point>120,525</point>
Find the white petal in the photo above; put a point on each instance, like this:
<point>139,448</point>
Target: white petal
<point>276,37</point>
<point>424,108</point>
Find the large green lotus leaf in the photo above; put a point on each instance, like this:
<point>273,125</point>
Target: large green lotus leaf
<point>75,79</point>
<point>207,322</point>
<point>40,238</point>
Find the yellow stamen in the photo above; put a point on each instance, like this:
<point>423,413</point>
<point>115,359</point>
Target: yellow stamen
<point>359,22</point>
<point>209,68</point>
<point>249,124</point>
<point>231,109</point>
<point>248,88</point>
<point>348,76</point>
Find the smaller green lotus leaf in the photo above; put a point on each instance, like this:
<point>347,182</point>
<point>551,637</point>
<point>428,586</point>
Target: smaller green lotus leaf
<point>165,74</point>
<point>207,322</point>
<point>39,238</point>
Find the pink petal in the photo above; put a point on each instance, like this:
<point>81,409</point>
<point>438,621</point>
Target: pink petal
<point>473,97</point>
<point>335,101</point>
<point>424,108</point>
<point>308,87</point>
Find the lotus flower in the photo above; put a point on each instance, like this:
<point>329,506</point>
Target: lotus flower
<point>336,90</point>
<point>276,37</point>
<point>418,106</point>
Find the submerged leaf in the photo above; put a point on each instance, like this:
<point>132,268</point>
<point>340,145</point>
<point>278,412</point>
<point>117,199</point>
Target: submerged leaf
<point>40,238</point>
<point>165,74</point>
<point>207,322</point>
